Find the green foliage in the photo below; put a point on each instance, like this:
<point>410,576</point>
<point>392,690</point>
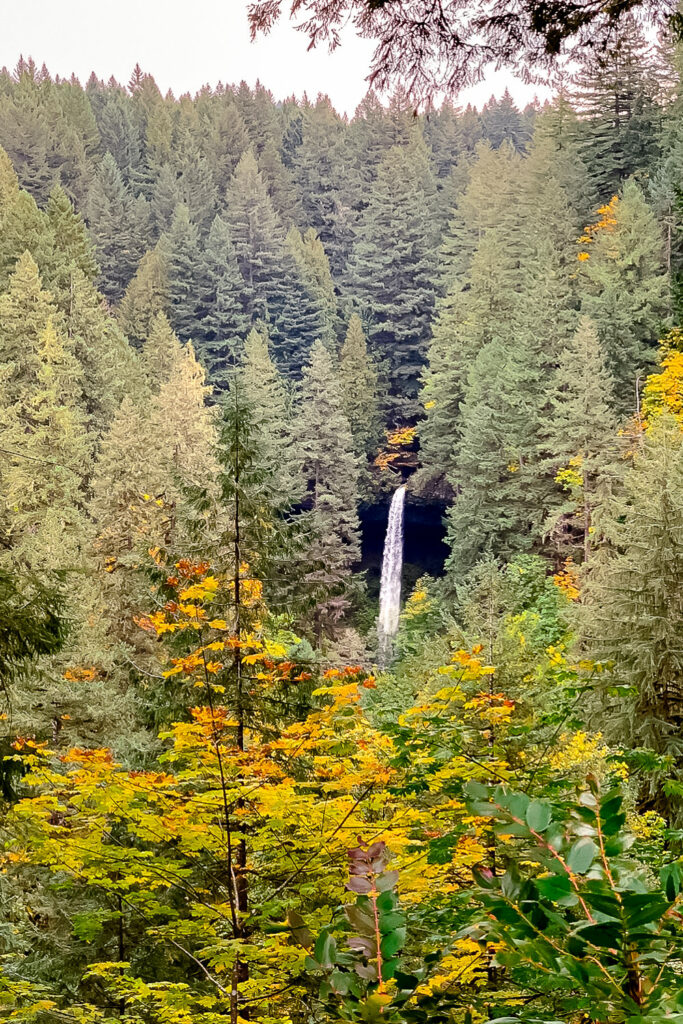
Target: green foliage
<point>357,980</point>
<point>581,437</point>
<point>24,226</point>
<point>147,295</point>
<point>160,350</point>
<point>223,322</point>
<point>183,614</point>
<point>624,290</point>
<point>480,260</point>
<point>632,612</point>
<point>108,363</point>
<point>271,423</point>
<point>496,509</point>
<point>25,309</point>
<point>47,454</point>
<point>320,161</point>
<point>359,381</point>
<point>392,268</point>
<point>577,911</point>
<point>616,98</point>
<point>314,267</point>
<point>330,475</point>
<point>274,290</point>
<point>117,227</point>
<point>179,249</point>
<point>73,247</point>
<point>32,622</point>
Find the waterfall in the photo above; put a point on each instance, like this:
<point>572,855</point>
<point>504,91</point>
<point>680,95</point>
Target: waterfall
<point>392,568</point>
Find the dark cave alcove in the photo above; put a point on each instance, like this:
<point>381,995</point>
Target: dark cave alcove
<point>424,547</point>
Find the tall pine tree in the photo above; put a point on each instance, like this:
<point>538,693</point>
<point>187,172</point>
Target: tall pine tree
<point>624,289</point>
<point>360,388</point>
<point>113,219</point>
<point>633,609</point>
<point>495,509</point>
<point>392,269</point>
<point>275,293</point>
<point>147,294</point>
<point>222,318</point>
<point>271,418</point>
<point>46,456</point>
<point>330,472</point>
<point>581,436</point>
<point>180,250</point>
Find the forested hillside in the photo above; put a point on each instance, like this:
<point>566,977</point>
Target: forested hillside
<point>231,325</point>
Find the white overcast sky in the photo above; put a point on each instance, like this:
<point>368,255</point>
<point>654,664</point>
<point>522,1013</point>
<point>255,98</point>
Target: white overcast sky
<point>187,43</point>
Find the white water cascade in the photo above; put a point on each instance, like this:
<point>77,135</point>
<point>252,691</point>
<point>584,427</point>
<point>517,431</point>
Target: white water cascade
<point>392,569</point>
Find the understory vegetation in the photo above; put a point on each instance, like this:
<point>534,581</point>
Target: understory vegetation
<point>229,326</point>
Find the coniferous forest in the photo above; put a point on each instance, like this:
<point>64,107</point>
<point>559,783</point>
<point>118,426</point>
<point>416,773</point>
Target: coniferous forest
<point>232,325</point>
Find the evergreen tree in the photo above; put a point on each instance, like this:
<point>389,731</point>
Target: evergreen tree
<point>146,295</point>
<point>25,310</point>
<point>519,285</point>
<point>582,430</point>
<point>9,182</point>
<point>556,144</point>
<point>166,197</point>
<point>370,134</point>
<point>314,267</point>
<point>42,434</point>
<point>109,365</point>
<point>199,190</point>
<point>516,279</point>
<point>445,138</point>
<point>403,126</point>
<point>444,381</point>
<point>161,352</point>
<point>22,225</point>
<point>271,419</point>
<point>222,320</point>
<point>73,248</point>
<point>275,292</point>
<point>632,613</point>
<point>319,170</point>
<point>330,473</point>
<point>29,121</point>
<point>360,389</point>
<point>545,313</point>
<point>624,289</point>
<point>615,95</point>
<point>115,228</point>
<point>254,228</point>
<point>180,250</point>
<point>74,139</point>
<point>502,122</point>
<point>511,265</point>
<point>280,184</point>
<point>257,540</point>
<point>488,199</point>
<point>480,307</point>
<point>496,510</point>
<point>665,187</point>
<point>120,135</point>
<point>128,481</point>
<point>392,270</point>
<point>259,114</point>
<point>225,138</point>
<point>181,419</point>
<point>159,135</point>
